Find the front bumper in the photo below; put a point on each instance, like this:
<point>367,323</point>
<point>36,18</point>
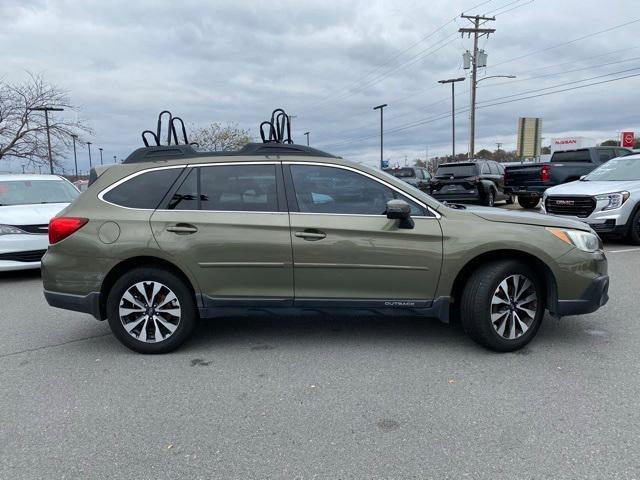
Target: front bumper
<point>595,296</point>
<point>22,252</point>
<point>89,303</point>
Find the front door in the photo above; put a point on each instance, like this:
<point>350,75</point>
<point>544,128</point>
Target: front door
<point>228,225</point>
<point>346,251</point>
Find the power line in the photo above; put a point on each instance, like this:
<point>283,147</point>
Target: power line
<point>567,42</point>
<point>561,85</point>
<point>462,110</point>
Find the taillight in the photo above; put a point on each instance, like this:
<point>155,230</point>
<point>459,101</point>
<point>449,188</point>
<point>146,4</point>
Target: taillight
<point>61,227</point>
<point>545,173</point>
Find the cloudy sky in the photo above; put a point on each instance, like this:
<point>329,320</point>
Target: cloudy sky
<point>328,63</point>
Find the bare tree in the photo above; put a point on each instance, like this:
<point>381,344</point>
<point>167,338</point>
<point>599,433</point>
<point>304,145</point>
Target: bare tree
<point>23,133</point>
<point>220,138</point>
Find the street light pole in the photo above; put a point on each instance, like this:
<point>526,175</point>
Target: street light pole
<point>75,156</point>
<point>381,108</point>
<point>46,111</point>
<point>453,82</point>
<point>89,145</point>
<point>100,155</point>
<point>306,134</point>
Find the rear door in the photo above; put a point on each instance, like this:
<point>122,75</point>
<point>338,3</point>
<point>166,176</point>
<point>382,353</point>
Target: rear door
<point>228,224</point>
<point>345,250</point>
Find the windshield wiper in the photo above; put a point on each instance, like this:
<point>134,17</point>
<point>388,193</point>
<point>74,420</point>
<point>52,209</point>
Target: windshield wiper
<point>456,206</point>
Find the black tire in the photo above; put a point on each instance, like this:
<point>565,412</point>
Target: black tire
<point>634,228</point>
<point>184,305</point>
<point>510,200</point>
<point>490,198</point>
<point>528,202</point>
<point>476,306</point>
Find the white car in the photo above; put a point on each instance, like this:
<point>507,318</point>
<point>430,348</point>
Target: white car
<point>27,203</point>
<point>608,198</point>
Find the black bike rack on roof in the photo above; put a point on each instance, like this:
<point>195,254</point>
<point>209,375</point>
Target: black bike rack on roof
<point>278,142</point>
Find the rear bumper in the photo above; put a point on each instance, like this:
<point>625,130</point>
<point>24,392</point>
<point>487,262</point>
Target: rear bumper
<point>595,296</point>
<point>525,191</point>
<point>458,197</point>
<point>89,303</point>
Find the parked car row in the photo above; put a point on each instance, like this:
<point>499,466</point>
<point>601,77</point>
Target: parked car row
<point>476,181</point>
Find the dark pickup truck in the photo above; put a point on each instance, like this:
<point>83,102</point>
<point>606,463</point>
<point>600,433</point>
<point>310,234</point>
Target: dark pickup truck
<point>529,180</point>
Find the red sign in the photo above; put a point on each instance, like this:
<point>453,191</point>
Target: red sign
<point>627,139</point>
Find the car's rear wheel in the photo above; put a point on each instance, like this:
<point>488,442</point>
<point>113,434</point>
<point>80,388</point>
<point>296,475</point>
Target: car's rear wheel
<point>528,202</point>
<point>490,198</point>
<point>150,310</point>
<point>502,305</point>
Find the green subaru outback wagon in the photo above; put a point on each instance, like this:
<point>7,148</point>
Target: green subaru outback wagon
<point>173,235</point>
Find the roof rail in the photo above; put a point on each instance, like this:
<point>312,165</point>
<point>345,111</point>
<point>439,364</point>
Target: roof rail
<point>151,154</point>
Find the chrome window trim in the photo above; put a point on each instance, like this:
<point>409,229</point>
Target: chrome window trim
<point>135,174</point>
<point>435,214</point>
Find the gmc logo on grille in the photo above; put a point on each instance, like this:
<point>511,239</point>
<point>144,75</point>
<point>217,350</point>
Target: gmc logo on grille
<point>564,202</point>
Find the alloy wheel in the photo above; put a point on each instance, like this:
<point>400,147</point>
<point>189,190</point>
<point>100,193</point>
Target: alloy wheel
<point>514,306</point>
<point>149,311</point>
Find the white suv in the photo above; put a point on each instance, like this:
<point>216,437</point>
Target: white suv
<point>608,198</point>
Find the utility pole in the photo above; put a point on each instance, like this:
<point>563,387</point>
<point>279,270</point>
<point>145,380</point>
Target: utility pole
<point>75,155</point>
<point>100,148</point>
<point>89,145</point>
<point>46,111</point>
<point>453,82</point>
<point>476,62</point>
<point>381,108</point>
<point>306,134</point>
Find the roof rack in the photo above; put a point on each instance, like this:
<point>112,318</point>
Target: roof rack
<point>151,154</point>
<point>276,142</point>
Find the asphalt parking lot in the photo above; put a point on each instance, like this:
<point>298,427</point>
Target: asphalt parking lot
<point>320,397</point>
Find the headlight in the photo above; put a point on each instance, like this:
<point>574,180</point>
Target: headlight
<point>585,241</point>
<point>10,230</point>
<point>615,199</point>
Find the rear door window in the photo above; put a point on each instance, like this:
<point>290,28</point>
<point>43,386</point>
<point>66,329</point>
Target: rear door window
<point>231,188</point>
<point>144,191</point>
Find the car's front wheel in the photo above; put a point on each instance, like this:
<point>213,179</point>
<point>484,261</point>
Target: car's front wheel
<point>502,305</point>
<point>634,228</point>
<point>528,202</point>
<point>150,310</point>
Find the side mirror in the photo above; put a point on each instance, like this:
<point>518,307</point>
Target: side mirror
<point>400,210</point>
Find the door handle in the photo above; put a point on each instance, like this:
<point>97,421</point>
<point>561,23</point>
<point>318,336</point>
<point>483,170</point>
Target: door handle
<point>182,229</point>
<point>311,235</point>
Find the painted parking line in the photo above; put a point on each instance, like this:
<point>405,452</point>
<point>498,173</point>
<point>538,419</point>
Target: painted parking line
<point>623,251</point>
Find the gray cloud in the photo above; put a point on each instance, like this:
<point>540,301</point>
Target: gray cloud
<point>123,62</point>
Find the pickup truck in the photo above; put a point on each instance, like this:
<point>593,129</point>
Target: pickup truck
<point>529,180</point>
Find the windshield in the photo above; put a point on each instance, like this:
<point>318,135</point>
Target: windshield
<point>401,172</point>
<point>464,170</point>
<point>29,192</point>
<point>618,169</point>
